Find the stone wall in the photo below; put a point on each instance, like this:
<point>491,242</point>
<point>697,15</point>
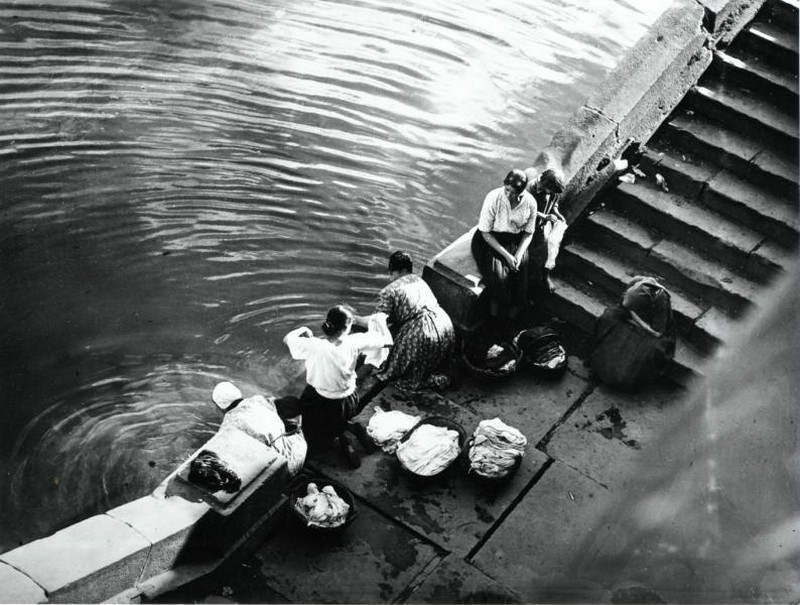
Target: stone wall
<point>634,100</point>
<point>144,547</point>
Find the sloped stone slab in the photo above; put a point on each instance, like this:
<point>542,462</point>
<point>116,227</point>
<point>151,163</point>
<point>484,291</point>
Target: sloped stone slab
<point>544,534</point>
<point>16,587</point>
<point>604,437</point>
<point>454,510</point>
<point>372,561</point>
<point>84,563</point>
<point>167,523</point>
<point>456,581</point>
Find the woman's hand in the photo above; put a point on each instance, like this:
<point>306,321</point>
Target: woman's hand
<point>511,260</point>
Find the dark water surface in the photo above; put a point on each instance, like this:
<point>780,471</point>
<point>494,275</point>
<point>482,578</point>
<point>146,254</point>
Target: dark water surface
<point>182,182</point>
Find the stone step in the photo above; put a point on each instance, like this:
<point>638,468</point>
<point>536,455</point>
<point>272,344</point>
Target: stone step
<point>612,273</point>
<point>576,304</point>
<point>774,43</point>
<point>743,155</point>
<point>782,13</point>
<point>748,113</point>
<point>696,226</point>
<point>774,216</point>
<point>700,277</point>
<point>779,85</point>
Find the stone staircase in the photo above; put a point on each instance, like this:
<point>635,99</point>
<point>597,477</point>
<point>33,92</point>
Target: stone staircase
<point>724,223</point>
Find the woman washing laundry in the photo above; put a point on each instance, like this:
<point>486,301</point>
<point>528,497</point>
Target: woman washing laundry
<point>424,339</point>
<point>330,398</point>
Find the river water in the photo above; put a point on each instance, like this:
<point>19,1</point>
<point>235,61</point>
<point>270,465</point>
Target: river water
<point>183,181</point>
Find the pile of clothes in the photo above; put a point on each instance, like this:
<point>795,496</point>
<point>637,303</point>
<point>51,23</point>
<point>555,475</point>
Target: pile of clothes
<point>209,471</point>
<point>429,450</point>
<point>386,429</point>
<point>322,508</point>
<point>495,449</point>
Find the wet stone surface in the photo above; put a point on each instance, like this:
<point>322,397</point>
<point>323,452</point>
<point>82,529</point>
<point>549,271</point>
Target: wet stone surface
<point>455,511</point>
<point>456,581</point>
<point>372,561</point>
<point>544,534</point>
<point>603,438</point>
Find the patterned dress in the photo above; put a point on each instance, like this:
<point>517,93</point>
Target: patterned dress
<point>424,339</point>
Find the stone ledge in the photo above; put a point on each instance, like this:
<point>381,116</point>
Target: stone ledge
<point>16,587</point>
<point>86,562</point>
<point>167,523</point>
<point>634,100</point>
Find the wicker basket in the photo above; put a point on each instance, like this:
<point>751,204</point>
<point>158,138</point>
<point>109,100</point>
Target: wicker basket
<point>483,479</point>
<point>539,347</point>
<point>511,351</point>
<point>435,421</point>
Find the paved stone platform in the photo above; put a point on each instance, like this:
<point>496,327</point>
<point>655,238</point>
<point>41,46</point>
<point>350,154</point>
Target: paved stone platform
<point>454,540</point>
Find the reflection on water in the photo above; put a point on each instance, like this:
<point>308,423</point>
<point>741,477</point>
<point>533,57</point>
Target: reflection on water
<point>183,182</point>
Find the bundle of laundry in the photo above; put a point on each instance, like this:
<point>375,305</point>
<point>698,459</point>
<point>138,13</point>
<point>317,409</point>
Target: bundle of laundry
<point>387,428</point>
<point>228,461</point>
<point>322,508</point>
<point>495,449</point>
<point>377,323</point>
<point>429,450</point>
<point>209,471</point>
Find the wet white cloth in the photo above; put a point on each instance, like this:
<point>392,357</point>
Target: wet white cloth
<point>293,448</point>
<point>322,508</point>
<point>376,324</point>
<point>495,448</point>
<point>387,428</point>
<point>257,417</point>
<point>429,450</point>
<point>553,234</point>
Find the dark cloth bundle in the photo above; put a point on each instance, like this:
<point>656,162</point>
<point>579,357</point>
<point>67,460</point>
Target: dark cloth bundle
<point>542,350</point>
<point>209,471</point>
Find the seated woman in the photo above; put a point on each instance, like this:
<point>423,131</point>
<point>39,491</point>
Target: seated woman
<point>634,341</point>
<point>424,338</point>
<point>500,246</point>
<point>330,398</point>
<point>546,188</point>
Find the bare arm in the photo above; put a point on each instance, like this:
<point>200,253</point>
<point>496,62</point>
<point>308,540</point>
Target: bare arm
<point>523,245</point>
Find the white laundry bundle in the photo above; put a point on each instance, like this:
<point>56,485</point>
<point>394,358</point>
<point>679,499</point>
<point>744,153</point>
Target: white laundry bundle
<point>495,448</point>
<point>322,508</point>
<point>429,450</point>
<point>377,323</point>
<point>257,417</point>
<point>387,428</point>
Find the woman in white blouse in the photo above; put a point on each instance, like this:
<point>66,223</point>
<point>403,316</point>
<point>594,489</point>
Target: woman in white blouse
<point>500,245</point>
<point>330,398</point>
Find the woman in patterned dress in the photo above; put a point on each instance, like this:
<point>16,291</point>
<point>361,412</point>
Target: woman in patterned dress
<point>424,339</point>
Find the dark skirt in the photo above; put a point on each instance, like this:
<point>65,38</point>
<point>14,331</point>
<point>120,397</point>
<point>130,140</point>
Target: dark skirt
<point>323,419</point>
<point>506,287</point>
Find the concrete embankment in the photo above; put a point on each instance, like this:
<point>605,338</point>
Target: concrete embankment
<point>633,101</point>
<point>712,91</point>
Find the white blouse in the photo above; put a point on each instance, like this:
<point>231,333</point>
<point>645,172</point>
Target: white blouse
<point>331,368</point>
<point>497,214</point>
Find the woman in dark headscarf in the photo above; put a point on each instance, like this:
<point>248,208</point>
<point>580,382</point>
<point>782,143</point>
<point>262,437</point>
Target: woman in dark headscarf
<point>500,245</point>
<point>634,341</point>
